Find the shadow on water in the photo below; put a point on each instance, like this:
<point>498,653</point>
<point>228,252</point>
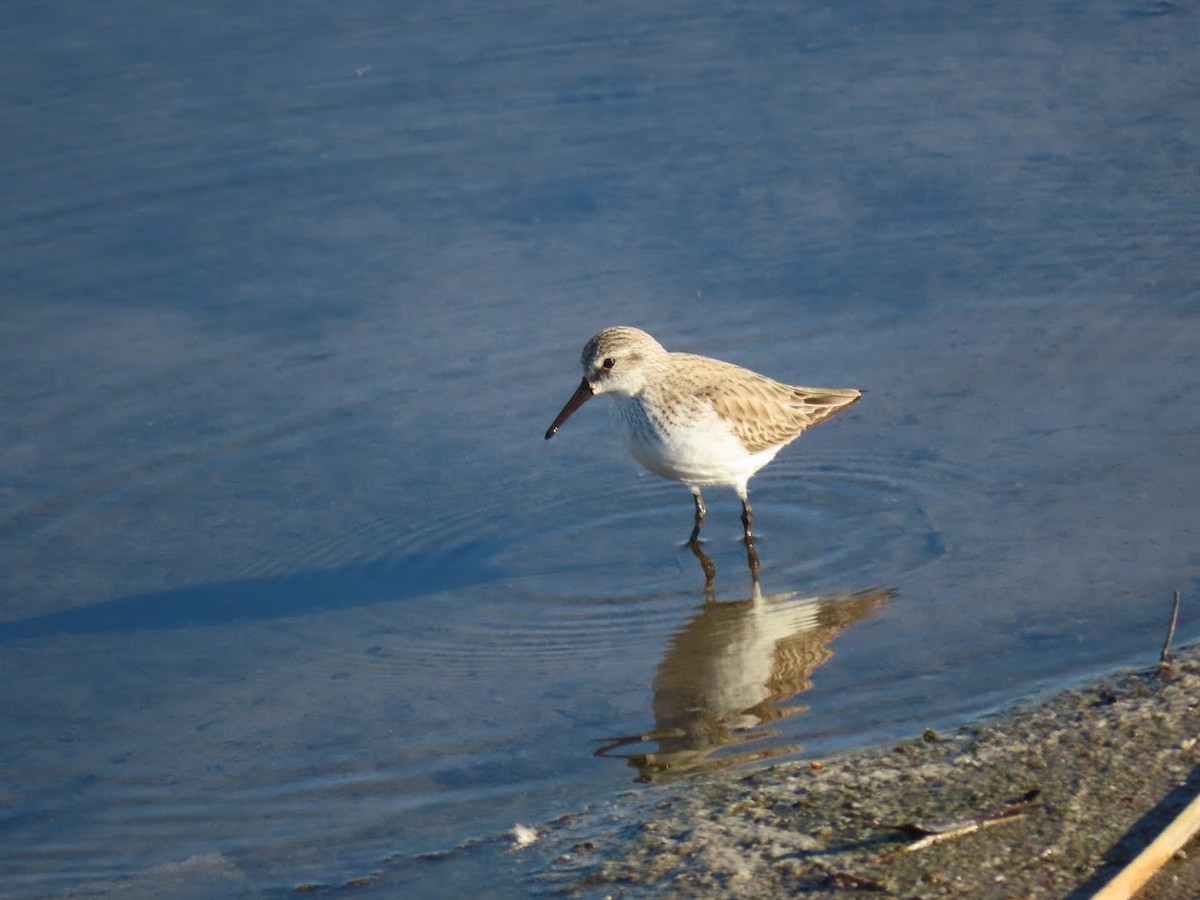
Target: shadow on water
<point>728,671</point>
<point>381,580</point>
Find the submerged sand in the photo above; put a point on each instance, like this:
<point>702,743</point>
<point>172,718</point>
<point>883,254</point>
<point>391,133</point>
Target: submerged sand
<point>1072,788</point>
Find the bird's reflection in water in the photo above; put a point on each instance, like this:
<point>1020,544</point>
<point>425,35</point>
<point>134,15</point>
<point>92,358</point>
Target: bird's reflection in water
<point>730,669</point>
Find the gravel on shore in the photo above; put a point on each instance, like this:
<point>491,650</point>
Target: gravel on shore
<point>1066,791</point>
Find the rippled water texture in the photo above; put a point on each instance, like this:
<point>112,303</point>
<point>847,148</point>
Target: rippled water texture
<point>293,591</point>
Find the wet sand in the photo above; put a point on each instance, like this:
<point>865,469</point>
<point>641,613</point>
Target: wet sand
<point>1078,784</point>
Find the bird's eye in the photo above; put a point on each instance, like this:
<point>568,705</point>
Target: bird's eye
<point>609,363</point>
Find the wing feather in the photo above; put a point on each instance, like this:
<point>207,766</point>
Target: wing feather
<point>764,413</point>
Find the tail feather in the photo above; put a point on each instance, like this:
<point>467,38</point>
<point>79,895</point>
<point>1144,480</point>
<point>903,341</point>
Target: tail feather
<point>823,404</point>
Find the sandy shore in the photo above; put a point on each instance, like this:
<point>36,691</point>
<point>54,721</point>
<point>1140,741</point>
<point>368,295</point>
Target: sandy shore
<point>1073,788</point>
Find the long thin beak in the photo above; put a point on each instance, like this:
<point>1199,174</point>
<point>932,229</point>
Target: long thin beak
<point>580,397</point>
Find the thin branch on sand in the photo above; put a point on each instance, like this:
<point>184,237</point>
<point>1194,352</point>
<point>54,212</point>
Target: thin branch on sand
<point>1165,659</point>
<point>968,826</point>
<point>1150,860</point>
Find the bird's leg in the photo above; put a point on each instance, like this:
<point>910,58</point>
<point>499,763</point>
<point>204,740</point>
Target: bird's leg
<point>752,559</point>
<point>701,512</point>
<point>747,516</point>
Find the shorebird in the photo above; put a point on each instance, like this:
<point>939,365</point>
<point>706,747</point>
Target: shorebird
<point>697,420</point>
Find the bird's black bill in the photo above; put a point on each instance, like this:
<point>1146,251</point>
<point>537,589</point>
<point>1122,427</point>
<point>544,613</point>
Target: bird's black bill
<point>581,395</point>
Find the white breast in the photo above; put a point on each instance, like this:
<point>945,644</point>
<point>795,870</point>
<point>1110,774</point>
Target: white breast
<point>691,445</point>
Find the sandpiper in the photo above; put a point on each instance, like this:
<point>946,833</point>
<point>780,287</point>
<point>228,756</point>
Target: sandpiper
<point>694,419</point>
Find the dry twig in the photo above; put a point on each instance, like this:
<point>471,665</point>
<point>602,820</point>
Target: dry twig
<point>1165,659</point>
<point>1150,860</point>
<point>959,829</point>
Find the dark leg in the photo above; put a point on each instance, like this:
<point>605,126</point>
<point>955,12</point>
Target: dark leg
<point>701,512</point>
<point>747,518</point>
<point>752,558</point>
<point>748,525</point>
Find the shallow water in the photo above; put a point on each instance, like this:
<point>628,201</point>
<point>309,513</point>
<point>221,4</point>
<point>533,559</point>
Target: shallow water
<point>291,587</point>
